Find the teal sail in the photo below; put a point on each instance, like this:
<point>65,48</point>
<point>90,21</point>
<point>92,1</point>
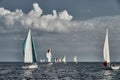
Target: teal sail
<point>29,49</point>
<point>33,52</point>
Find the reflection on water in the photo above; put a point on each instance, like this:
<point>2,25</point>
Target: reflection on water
<point>28,73</point>
<point>111,75</point>
<point>108,75</point>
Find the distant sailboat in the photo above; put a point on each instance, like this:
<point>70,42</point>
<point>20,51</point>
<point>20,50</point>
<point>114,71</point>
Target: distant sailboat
<point>49,55</point>
<point>64,59</point>
<point>106,54</point>
<point>59,60</point>
<point>75,59</point>
<point>55,60</point>
<point>29,52</point>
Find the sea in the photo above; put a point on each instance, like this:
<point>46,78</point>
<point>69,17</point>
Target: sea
<point>58,71</point>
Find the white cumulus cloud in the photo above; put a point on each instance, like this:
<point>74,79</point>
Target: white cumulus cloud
<point>36,12</point>
<point>57,21</point>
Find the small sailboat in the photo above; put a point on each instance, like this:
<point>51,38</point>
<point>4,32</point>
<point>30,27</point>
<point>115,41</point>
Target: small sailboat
<point>55,59</point>
<point>59,60</point>
<point>49,56</point>
<point>29,52</point>
<point>64,59</point>
<point>75,59</point>
<point>106,54</point>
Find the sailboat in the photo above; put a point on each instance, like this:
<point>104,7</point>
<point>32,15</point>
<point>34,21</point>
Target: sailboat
<point>59,60</point>
<point>29,52</point>
<point>49,55</point>
<point>55,59</point>
<point>75,59</point>
<point>106,54</point>
<point>64,59</point>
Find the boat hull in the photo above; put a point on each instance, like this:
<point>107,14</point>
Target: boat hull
<point>112,68</point>
<point>50,64</point>
<point>31,66</point>
<point>115,67</point>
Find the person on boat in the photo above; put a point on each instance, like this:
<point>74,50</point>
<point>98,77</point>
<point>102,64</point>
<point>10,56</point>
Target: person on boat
<point>106,64</point>
<point>114,65</point>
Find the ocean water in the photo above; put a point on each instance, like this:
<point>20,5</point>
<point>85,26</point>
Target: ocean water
<point>58,71</point>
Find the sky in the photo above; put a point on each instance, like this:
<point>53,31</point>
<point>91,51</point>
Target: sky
<point>69,27</point>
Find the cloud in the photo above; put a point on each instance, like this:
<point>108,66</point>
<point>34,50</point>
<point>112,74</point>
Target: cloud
<point>36,12</point>
<point>55,22</point>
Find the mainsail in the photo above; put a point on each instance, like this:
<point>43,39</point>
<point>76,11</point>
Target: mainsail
<point>29,49</point>
<point>49,55</point>
<point>63,59</point>
<point>75,59</point>
<point>106,50</point>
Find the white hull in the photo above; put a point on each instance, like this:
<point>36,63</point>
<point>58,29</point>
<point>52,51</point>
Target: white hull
<point>31,66</point>
<point>115,67</point>
<point>112,67</point>
<point>50,64</point>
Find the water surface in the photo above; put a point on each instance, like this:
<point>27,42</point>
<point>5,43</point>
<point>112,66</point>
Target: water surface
<point>58,71</point>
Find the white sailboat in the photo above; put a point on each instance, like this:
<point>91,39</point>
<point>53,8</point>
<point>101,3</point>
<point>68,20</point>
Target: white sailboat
<point>75,59</point>
<point>106,54</point>
<point>59,60</point>
<point>55,60</point>
<point>64,59</point>
<point>29,52</point>
<point>49,55</point>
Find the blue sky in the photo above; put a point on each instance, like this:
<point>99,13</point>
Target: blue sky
<point>70,28</point>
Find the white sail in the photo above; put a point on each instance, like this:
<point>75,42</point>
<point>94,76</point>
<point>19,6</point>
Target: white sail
<point>49,55</point>
<point>106,49</point>
<point>64,59</point>
<point>75,59</point>
<point>28,49</point>
<point>55,60</point>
